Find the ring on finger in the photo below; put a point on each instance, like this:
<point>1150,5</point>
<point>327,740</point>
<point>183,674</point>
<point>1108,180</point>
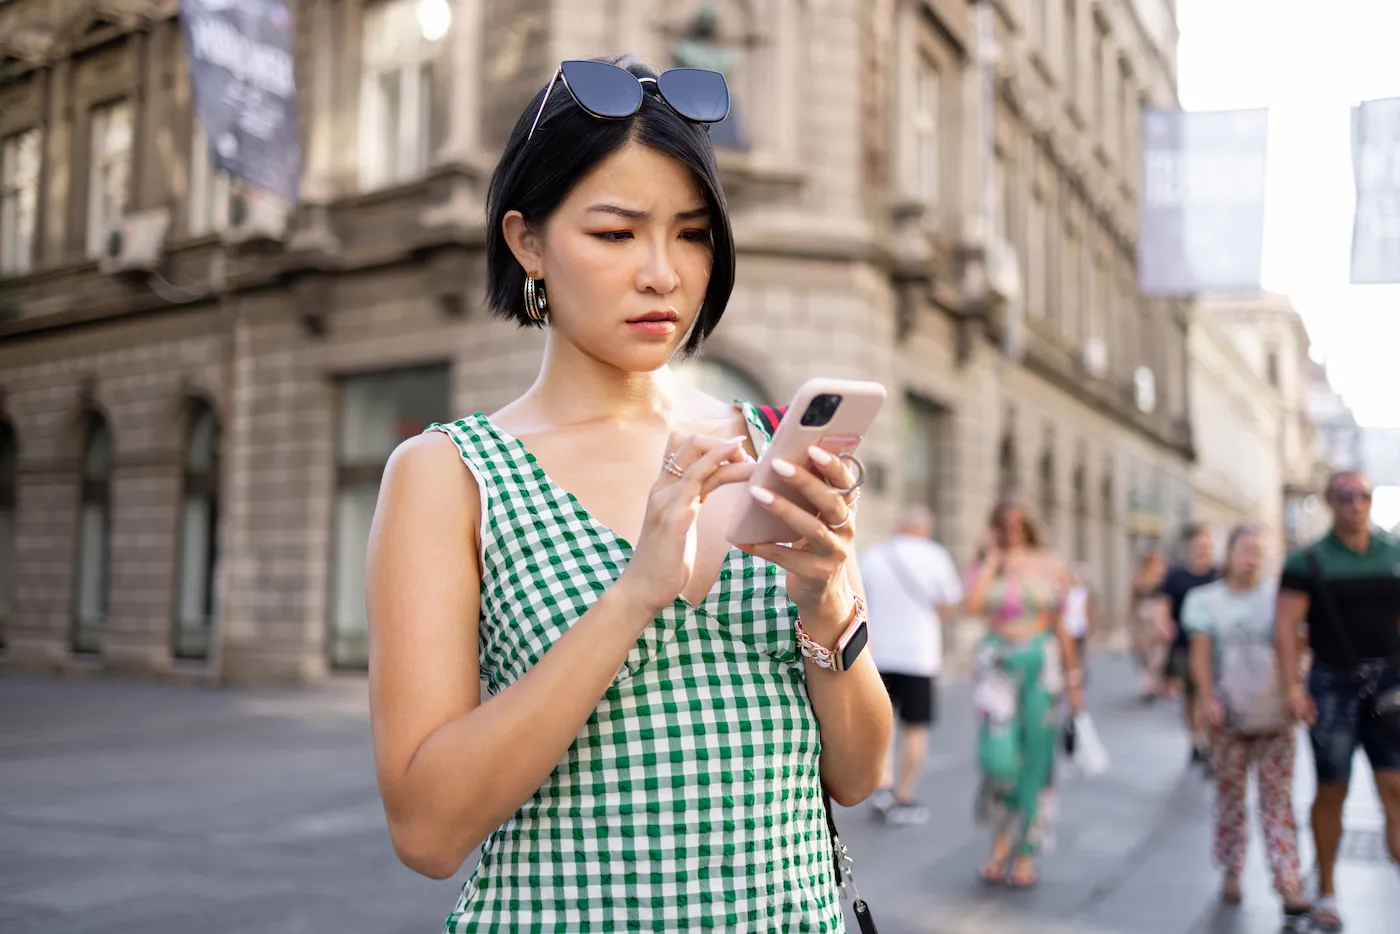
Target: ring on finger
<point>860,475</point>
<point>844,522</point>
<point>671,466</point>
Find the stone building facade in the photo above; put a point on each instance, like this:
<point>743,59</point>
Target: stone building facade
<point>190,446</point>
<point>1238,428</point>
<point>1273,340</point>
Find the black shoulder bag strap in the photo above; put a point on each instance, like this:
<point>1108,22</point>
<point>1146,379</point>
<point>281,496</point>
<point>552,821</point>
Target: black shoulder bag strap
<point>842,866</point>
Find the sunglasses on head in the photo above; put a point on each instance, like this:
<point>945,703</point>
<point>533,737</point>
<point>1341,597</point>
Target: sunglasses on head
<point>611,92</point>
<point>1347,497</point>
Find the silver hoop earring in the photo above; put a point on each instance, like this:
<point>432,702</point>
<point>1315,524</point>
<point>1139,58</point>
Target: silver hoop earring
<point>536,303</point>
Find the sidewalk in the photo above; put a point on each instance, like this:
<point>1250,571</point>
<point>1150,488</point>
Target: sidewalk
<point>1132,854</point>
<point>159,809</point>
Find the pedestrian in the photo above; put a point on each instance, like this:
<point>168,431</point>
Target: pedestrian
<point>1025,665</point>
<point>911,586</point>
<point>1346,588</point>
<point>664,712</point>
<point>1151,633</point>
<point>1231,625</point>
<point>1197,567</point>
<point>1079,613</point>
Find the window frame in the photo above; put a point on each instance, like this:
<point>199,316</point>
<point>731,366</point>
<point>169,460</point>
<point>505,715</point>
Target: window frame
<point>926,175</point>
<point>355,476</point>
<point>416,66</point>
<point>203,484</point>
<point>93,491</point>
<point>18,243</point>
<point>100,159</point>
<point>210,191</point>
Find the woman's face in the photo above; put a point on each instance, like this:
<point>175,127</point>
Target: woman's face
<point>625,258</point>
<point>1011,530</point>
<point>1246,556</point>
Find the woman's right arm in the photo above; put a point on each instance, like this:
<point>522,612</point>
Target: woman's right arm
<point>1195,618</point>
<point>450,768</point>
<point>983,576</point>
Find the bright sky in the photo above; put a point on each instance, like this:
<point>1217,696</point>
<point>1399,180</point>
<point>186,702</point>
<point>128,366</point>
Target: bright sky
<point>1309,63</point>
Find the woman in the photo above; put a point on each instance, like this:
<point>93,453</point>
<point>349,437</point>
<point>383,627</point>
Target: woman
<point>657,739</point>
<point>1026,663</point>
<point>1150,637</point>
<point>1231,624</point>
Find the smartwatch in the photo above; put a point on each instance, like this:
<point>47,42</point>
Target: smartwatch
<point>848,648</point>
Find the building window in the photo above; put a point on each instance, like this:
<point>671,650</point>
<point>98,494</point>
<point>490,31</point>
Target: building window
<point>1048,500</point>
<point>19,201</point>
<point>402,106</point>
<point>1071,38</point>
<point>722,380</point>
<point>1071,268</point>
<point>1100,91</point>
<point>928,88</point>
<point>9,485</point>
<point>1081,515</point>
<point>1271,370</point>
<point>924,426</point>
<point>1035,255</point>
<point>108,172</point>
<point>210,189</point>
<point>377,411</point>
<point>94,536</point>
<point>196,607</point>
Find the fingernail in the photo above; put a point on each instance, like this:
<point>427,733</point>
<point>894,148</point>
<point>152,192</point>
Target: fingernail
<point>762,495</point>
<point>818,455</point>
<point>783,469</point>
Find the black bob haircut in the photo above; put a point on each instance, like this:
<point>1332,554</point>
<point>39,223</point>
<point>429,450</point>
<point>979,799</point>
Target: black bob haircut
<point>534,177</point>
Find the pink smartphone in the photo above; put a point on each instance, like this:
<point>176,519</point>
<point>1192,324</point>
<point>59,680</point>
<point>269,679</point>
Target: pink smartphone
<point>833,414</point>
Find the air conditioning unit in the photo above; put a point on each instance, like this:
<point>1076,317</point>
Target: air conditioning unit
<point>255,215</point>
<point>1094,357</point>
<point>1003,269</point>
<point>136,243</point>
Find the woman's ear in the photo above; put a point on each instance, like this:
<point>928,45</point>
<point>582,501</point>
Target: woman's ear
<point>524,242</point>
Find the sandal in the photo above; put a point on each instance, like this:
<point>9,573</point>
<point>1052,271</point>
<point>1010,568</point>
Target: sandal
<point>1325,916</point>
<point>993,871</point>
<point>1023,874</point>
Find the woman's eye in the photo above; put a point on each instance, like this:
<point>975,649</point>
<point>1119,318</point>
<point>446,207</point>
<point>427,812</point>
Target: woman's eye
<point>614,235</point>
<point>696,236</point>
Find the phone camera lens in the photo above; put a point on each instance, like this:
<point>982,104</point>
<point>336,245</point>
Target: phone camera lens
<point>821,409</point>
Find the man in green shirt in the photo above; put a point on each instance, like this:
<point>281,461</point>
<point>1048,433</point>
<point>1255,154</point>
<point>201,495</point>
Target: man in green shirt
<point>1346,588</point>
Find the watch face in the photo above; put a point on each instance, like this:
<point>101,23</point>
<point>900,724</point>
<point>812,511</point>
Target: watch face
<point>851,651</point>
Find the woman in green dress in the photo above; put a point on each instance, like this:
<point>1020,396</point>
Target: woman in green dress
<point>1026,664</point>
<point>660,727</point>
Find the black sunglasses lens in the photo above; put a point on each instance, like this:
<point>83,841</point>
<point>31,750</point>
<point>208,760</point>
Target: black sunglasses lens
<point>603,90</point>
<point>695,93</point>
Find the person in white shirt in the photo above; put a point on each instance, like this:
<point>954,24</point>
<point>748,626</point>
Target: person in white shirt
<point>1079,613</point>
<point>910,583</point>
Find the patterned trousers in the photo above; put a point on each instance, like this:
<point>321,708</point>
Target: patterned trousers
<point>1271,754</point>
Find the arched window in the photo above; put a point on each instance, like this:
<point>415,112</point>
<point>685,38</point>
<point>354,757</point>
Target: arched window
<point>722,380</point>
<point>195,608</point>
<point>1081,514</point>
<point>9,468</point>
<point>94,536</point>
<point>1048,501</point>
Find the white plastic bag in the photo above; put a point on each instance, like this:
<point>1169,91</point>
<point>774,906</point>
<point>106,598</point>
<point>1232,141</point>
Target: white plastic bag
<point>1089,758</point>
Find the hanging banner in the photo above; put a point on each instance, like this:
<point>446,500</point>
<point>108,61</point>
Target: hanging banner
<point>240,54</point>
<point>1202,215</point>
<point>1375,159</point>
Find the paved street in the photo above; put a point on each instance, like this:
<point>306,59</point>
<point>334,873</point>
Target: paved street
<point>130,808</point>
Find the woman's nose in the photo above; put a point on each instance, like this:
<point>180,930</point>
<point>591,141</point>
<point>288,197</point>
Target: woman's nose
<point>658,273</point>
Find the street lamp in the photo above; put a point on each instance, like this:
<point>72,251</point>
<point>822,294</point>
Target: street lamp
<point>434,18</point>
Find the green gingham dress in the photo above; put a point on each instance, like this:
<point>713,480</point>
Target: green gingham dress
<point>691,798</point>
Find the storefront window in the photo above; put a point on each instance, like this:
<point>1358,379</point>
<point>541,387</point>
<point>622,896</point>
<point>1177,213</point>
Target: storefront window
<point>199,520</point>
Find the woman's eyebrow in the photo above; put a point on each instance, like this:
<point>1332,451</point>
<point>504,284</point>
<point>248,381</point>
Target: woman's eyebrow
<point>631,214</point>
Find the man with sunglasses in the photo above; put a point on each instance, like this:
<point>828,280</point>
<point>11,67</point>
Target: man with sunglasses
<point>1346,588</point>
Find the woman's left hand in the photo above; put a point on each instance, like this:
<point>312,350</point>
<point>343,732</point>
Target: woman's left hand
<point>1075,694</point>
<point>818,580</point>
